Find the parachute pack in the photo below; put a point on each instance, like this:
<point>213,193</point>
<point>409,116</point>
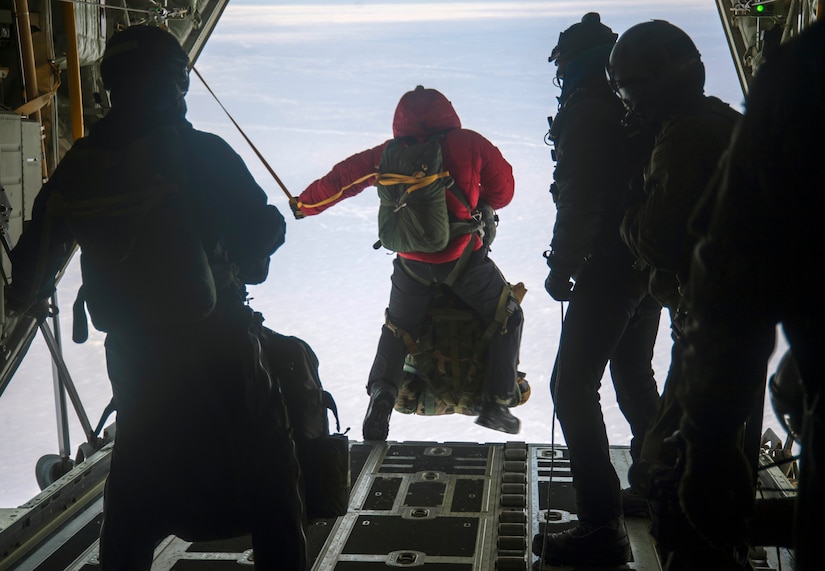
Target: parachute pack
<point>444,367</point>
<point>142,257</point>
<point>323,457</point>
<point>412,186</point>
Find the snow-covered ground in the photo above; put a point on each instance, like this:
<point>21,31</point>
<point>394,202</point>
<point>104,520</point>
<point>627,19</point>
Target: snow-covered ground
<point>314,82</point>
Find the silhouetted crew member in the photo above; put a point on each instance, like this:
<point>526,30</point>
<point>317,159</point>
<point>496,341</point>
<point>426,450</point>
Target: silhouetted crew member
<point>657,72</point>
<point>753,269</point>
<point>610,317</point>
<point>480,172</point>
<point>189,458</point>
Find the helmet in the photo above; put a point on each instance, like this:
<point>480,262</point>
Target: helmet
<point>588,33</point>
<point>788,395</point>
<point>140,52</point>
<point>654,68</point>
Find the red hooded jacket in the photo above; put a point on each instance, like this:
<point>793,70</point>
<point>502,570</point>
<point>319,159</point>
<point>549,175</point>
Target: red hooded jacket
<point>475,164</point>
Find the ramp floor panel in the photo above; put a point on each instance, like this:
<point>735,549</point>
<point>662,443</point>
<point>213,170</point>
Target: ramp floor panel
<point>449,506</point>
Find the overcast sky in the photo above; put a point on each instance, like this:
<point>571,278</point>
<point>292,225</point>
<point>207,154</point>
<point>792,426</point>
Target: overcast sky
<point>314,82</point>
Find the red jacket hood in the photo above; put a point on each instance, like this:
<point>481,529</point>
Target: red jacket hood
<point>423,112</point>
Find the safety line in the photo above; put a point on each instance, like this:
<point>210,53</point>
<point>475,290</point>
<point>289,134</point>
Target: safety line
<point>251,144</point>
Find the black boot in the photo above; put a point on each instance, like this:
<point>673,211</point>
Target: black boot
<point>377,420</point>
<point>585,544</point>
<point>498,417</point>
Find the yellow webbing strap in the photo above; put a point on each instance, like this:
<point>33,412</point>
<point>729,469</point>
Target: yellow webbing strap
<point>415,182</point>
<point>338,194</point>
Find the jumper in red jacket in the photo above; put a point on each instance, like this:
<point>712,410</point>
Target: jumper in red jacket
<point>475,164</point>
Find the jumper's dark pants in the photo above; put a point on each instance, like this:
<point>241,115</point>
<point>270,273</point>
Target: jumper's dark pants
<point>611,318</point>
<point>188,460</point>
<point>479,285</point>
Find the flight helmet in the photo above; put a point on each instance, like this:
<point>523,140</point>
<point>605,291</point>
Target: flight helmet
<point>580,37</point>
<point>654,68</point>
<point>144,54</point>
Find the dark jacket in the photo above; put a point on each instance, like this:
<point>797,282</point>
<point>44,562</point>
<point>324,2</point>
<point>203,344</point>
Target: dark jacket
<point>228,205</point>
<point>760,248</point>
<point>684,159</point>
<point>595,157</point>
<point>475,164</point>
<point>756,266</point>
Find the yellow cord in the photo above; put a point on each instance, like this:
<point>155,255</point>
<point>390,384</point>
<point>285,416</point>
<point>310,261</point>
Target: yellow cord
<point>338,194</point>
<point>415,182</point>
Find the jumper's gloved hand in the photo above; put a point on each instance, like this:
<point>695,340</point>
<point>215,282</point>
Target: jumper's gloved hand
<point>296,210</point>
<point>560,287</point>
<point>717,491</point>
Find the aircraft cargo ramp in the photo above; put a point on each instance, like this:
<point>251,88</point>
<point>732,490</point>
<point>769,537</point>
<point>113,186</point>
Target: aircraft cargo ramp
<point>451,506</point>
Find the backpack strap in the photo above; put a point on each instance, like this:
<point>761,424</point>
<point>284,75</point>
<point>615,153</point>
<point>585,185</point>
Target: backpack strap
<point>104,416</point>
<point>329,403</point>
<point>80,321</point>
<point>459,265</point>
<point>461,227</point>
<point>472,226</point>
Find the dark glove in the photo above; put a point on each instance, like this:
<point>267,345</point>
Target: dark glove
<point>296,210</point>
<point>18,305</point>
<point>716,491</point>
<point>554,192</point>
<point>560,287</point>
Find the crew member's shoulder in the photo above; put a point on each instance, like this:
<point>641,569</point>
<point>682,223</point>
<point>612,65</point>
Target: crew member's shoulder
<point>724,111</point>
<point>708,119</point>
<point>596,96</point>
<point>204,138</point>
<point>589,108</point>
<point>206,147</point>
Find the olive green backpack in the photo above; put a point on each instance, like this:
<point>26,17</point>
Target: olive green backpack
<point>412,185</point>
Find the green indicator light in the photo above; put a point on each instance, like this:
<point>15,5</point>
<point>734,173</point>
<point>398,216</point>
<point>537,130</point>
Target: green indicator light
<point>760,8</point>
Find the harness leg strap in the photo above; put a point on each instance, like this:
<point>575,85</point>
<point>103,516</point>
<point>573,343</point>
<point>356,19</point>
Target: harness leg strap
<point>412,347</point>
